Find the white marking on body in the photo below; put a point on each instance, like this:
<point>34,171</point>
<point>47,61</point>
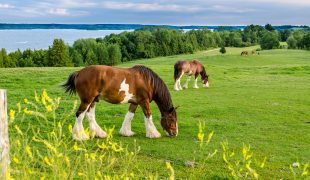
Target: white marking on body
<point>94,128</point>
<point>125,87</point>
<point>126,126</point>
<point>151,131</point>
<point>78,129</point>
<point>186,83</point>
<point>195,84</point>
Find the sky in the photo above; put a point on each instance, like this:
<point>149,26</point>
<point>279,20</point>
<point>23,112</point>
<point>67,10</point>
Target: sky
<point>172,12</point>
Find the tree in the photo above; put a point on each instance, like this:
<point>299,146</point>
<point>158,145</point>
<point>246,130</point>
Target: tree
<point>270,40</point>
<point>91,58</point>
<point>115,55</point>
<point>77,58</point>
<point>58,54</point>
<point>291,42</point>
<point>306,41</point>
<point>223,50</point>
<point>269,27</point>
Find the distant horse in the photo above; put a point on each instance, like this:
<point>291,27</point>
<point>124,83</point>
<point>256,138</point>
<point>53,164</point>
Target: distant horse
<point>244,53</point>
<point>138,85</point>
<point>189,68</point>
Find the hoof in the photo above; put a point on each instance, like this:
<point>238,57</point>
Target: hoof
<point>126,133</point>
<point>153,135</point>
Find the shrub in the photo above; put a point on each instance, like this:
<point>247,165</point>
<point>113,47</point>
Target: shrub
<point>223,50</point>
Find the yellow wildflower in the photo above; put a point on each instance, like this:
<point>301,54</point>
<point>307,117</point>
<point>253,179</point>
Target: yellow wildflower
<point>53,134</point>
<point>110,133</point>
<point>51,147</point>
<point>76,148</point>
<point>70,128</point>
<point>263,163</point>
<point>49,108</point>
<point>28,151</point>
<point>81,174</point>
<point>169,167</point>
<point>18,130</point>
<point>42,178</point>
<point>16,160</point>
<point>48,161</point>
<point>26,101</point>
<point>200,134</point>
<point>18,107</point>
<point>67,160</point>
<point>27,112</point>
<point>210,136</point>
<point>12,114</point>
<point>93,156</point>
<point>17,142</point>
<point>36,97</point>
<point>305,171</point>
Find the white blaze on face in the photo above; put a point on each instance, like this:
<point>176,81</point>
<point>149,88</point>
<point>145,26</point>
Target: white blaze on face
<point>125,87</point>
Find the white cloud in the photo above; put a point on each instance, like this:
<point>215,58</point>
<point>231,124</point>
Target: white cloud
<point>5,6</point>
<point>226,9</point>
<point>280,2</point>
<point>58,11</point>
<point>150,7</point>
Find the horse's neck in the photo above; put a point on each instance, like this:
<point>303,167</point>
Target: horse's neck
<point>163,104</point>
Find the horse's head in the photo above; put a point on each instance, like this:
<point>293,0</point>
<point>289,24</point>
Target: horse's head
<point>204,78</point>
<point>169,122</point>
<point>205,81</point>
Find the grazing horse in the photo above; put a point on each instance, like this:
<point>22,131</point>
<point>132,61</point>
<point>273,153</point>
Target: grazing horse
<point>138,85</point>
<point>189,68</point>
<point>244,53</point>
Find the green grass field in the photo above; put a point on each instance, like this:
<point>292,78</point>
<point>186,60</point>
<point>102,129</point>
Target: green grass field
<point>262,100</point>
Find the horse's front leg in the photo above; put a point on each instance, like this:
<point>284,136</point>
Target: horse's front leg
<point>151,131</point>
<point>195,83</point>
<point>186,83</point>
<point>126,126</point>
<point>94,129</point>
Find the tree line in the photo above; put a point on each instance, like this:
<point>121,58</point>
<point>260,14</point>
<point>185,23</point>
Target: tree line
<point>151,42</point>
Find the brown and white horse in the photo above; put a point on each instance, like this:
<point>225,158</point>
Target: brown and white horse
<point>138,85</point>
<point>189,68</point>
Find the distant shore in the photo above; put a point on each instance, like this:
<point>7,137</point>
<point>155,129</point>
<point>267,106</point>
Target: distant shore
<point>12,26</point>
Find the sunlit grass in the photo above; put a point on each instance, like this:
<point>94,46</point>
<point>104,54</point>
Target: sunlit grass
<point>261,101</point>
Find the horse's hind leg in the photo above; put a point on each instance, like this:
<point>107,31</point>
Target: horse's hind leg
<point>186,83</point>
<point>126,126</point>
<point>94,129</point>
<point>78,129</point>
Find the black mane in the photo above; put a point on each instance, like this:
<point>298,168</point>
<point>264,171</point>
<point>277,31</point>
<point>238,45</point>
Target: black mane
<point>203,73</point>
<point>161,94</point>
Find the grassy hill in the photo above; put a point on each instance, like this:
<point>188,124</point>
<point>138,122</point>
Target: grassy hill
<point>262,100</point>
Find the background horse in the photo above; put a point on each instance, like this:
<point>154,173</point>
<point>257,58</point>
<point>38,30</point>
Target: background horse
<point>138,85</point>
<point>189,68</point>
<point>244,53</point>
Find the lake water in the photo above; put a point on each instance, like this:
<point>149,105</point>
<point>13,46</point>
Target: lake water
<point>11,40</point>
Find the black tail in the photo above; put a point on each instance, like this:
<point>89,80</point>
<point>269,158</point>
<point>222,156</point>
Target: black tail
<point>177,72</point>
<point>69,86</point>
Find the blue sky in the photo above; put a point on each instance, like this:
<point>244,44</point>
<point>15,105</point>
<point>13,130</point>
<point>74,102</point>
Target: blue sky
<point>173,12</point>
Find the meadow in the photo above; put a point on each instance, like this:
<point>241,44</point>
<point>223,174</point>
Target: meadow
<point>261,101</point>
